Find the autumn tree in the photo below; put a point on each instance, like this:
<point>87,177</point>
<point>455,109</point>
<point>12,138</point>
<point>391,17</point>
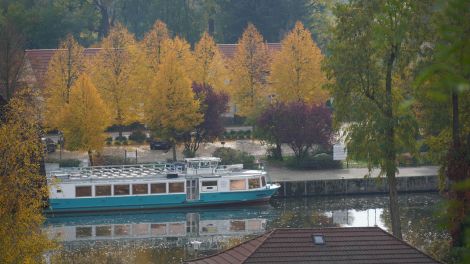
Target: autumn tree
<point>184,56</point>
<point>172,108</point>
<point>64,68</point>
<point>213,104</point>
<point>210,67</point>
<point>296,70</point>
<point>443,98</point>
<point>371,56</point>
<point>116,71</point>
<point>22,187</point>
<point>249,71</point>
<point>153,44</point>
<point>300,125</point>
<point>84,118</point>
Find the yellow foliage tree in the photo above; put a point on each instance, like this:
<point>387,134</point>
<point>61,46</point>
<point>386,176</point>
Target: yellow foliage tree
<point>184,56</point>
<point>85,118</point>
<point>209,68</point>
<point>117,73</point>
<point>249,69</point>
<point>64,68</point>
<point>172,109</point>
<point>296,70</point>
<point>22,188</point>
<point>153,44</point>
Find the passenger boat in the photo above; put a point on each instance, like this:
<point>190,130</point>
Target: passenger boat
<point>196,182</point>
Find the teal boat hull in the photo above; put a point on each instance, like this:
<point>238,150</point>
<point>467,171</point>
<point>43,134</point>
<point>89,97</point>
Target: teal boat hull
<point>156,201</point>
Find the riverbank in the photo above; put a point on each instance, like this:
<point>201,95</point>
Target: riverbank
<point>351,181</point>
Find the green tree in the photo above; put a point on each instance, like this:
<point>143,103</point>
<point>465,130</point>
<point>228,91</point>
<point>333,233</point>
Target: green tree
<point>443,94</point>
<point>371,56</point>
<point>84,118</point>
<point>22,187</point>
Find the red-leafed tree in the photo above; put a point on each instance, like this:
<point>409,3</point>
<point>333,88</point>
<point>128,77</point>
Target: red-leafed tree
<point>213,105</point>
<point>297,124</point>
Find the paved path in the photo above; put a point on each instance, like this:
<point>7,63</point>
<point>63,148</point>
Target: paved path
<point>279,174</point>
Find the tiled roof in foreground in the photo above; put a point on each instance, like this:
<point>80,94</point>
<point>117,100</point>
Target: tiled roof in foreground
<point>342,245</point>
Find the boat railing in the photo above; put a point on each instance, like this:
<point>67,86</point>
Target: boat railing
<point>116,171</point>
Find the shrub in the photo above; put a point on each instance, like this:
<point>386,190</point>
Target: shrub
<point>120,138</point>
<point>232,156</point>
<point>104,160</point>
<point>117,143</point>
<point>69,163</point>
<point>138,136</point>
<point>320,161</point>
<point>125,143</point>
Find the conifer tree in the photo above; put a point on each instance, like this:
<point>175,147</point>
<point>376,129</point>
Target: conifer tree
<point>64,68</point>
<point>153,44</point>
<point>85,118</point>
<point>117,73</point>
<point>172,109</point>
<point>209,68</point>
<point>249,69</point>
<point>296,74</point>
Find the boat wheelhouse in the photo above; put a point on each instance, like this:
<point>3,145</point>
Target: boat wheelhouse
<point>196,182</point>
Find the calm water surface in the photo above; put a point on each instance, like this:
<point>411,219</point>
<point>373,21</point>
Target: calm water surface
<point>173,236</point>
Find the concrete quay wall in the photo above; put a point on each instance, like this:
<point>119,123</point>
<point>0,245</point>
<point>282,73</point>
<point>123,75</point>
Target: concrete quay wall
<point>350,186</point>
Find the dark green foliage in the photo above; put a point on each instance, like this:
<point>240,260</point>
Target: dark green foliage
<point>138,136</point>
<point>320,161</point>
<point>233,156</point>
<point>69,163</point>
<point>120,138</point>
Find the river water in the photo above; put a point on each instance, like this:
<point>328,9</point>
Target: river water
<point>172,236</point>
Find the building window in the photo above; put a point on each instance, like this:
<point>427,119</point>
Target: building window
<point>103,190</point>
<point>139,189</point>
<point>158,188</point>
<point>82,191</point>
<point>176,187</point>
<point>263,181</point>
<point>253,183</point>
<point>237,185</point>
<point>121,189</point>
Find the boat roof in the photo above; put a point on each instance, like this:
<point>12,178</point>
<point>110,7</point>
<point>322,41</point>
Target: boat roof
<point>202,159</point>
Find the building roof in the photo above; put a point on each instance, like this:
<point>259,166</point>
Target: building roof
<point>342,245</point>
<point>39,58</point>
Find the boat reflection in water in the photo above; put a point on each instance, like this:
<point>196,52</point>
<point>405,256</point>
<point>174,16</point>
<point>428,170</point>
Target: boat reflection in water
<point>202,230</point>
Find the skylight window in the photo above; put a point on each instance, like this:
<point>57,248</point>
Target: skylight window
<point>318,239</point>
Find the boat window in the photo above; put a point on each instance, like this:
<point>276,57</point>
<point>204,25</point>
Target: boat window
<point>102,231</point>
<point>140,229</point>
<point>158,229</point>
<point>82,191</point>
<point>263,181</point>
<point>176,229</point>
<point>122,230</point>
<point>253,183</point>
<point>83,231</point>
<point>139,189</point>
<point>121,189</point>
<point>236,185</point>
<point>158,188</point>
<point>176,187</point>
<point>209,183</point>
<point>205,164</point>
<point>237,225</point>
<point>103,190</point>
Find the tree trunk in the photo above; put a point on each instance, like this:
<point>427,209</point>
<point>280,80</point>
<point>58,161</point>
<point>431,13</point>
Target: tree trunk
<point>174,151</point>
<point>90,157</point>
<point>455,120</point>
<point>390,151</point>
<point>278,154</point>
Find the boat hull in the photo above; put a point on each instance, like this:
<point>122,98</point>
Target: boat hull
<point>157,201</point>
